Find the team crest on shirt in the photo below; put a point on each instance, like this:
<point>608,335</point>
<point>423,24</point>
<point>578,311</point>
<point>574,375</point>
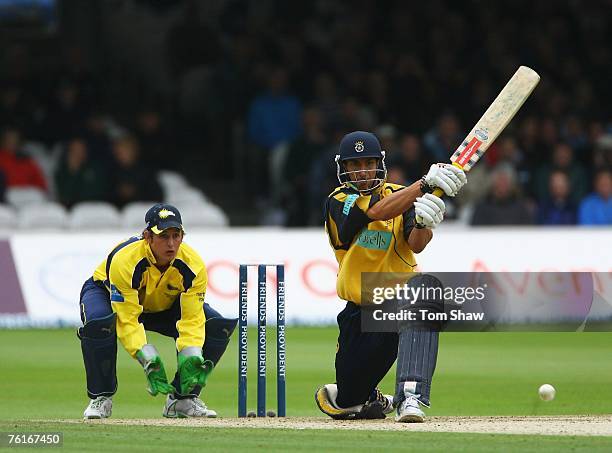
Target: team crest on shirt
<point>164,214</point>
<point>359,146</point>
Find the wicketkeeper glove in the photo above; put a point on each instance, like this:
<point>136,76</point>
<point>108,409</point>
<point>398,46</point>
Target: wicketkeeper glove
<point>154,370</point>
<point>193,369</point>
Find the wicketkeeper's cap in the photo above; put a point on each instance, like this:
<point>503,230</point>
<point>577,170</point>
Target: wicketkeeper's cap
<point>163,216</point>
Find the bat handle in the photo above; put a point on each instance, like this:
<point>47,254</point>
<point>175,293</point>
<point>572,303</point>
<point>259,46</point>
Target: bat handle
<point>438,192</point>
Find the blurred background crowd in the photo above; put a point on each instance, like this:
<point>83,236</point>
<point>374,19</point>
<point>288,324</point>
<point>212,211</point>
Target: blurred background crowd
<point>248,100</point>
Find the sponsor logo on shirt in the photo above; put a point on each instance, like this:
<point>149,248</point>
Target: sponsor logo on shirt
<point>376,240</point>
<point>116,295</point>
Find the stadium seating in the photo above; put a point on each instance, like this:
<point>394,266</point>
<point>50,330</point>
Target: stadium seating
<point>22,196</point>
<point>200,214</point>
<point>8,217</point>
<point>170,181</point>
<point>94,215</point>
<point>48,215</point>
<point>186,195</point>
<point>47,160</point>
<point>132,216</point>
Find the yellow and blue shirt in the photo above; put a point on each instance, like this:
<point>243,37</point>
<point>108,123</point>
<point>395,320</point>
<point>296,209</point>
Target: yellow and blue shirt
<point>136,285</point>
<point>365,245</point>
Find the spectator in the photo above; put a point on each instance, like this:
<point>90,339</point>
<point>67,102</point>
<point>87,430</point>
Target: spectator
<point>323,178</point>
<point>96,135</point>
<point>596,209</point>
<point>409,164</point>
<point>506,149</point>
<point>557,208</point>
<point>300,157</point>
<point>14,108</point>
<point>79,179</point>
<point>356,116</point>
<point>442,140</point>
<point>602,155</point>
<point>504,204</point>
<point>154,138</point>
<point>396,175</point>
<point>190,42</point>
<point>387,134</point>
<point>574,135</point>
<point>19,169</point>
<point>377,94</point>
<point>563,160</point>
<point>327,100</point>
<point>132,179</point>
<point>64,116</point>
<point>274,116</point>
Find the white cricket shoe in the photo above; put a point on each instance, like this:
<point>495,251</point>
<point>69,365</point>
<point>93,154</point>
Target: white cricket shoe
<point>100,407</point>
<point>409,411</point>
<point>187,408</point>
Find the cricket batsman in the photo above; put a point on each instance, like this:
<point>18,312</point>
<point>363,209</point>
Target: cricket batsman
<point>152,282</point>
<point>364,206</point>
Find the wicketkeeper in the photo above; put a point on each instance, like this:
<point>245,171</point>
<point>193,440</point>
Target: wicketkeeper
<point>374,226</point>
<point>152,282</point>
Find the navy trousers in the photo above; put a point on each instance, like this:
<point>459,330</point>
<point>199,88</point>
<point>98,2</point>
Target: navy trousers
<point>99,340</point>
<point>362,358</point>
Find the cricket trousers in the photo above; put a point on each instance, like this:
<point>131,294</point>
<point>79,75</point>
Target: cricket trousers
<point>362,358</point>
<point>99,340</point>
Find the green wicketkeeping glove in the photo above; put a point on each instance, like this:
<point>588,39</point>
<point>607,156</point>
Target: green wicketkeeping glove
<point>154,370</point>
<point>193,369</point>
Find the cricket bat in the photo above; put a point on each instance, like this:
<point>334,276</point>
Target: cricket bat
<point>494,120</point>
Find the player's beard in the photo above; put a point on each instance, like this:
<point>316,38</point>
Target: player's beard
<point>364,185</point>
<point>366,182</point>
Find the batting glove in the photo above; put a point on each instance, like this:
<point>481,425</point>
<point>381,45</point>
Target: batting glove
<point>429,210</point>
<point>447,177</point>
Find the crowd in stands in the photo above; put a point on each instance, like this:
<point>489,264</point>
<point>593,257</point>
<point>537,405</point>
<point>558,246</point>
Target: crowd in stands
<point>300,76</point>
<point>54,137</point>
<point>419,76</point>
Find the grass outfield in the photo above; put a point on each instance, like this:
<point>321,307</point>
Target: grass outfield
<point>95,438</point>
<point>42,377</point>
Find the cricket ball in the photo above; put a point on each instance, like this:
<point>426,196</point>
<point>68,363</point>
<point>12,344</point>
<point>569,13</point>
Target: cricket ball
<point>547,392</point>
<point>271,414</point>
<point>251,414</point>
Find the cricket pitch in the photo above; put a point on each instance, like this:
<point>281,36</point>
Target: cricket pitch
<point>539,425</point>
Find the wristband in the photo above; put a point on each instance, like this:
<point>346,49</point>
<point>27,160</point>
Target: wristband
<point>425,187</point>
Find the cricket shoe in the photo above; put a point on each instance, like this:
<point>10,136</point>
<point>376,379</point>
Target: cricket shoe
<point>377,406</point>
<point>187,408</point>
<point>100,407</point>
<point>409,411</point>
<point>325,397</point>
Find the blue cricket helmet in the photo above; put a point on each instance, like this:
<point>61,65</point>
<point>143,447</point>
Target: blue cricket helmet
<point>357,145</point>
<point>360,144</point>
